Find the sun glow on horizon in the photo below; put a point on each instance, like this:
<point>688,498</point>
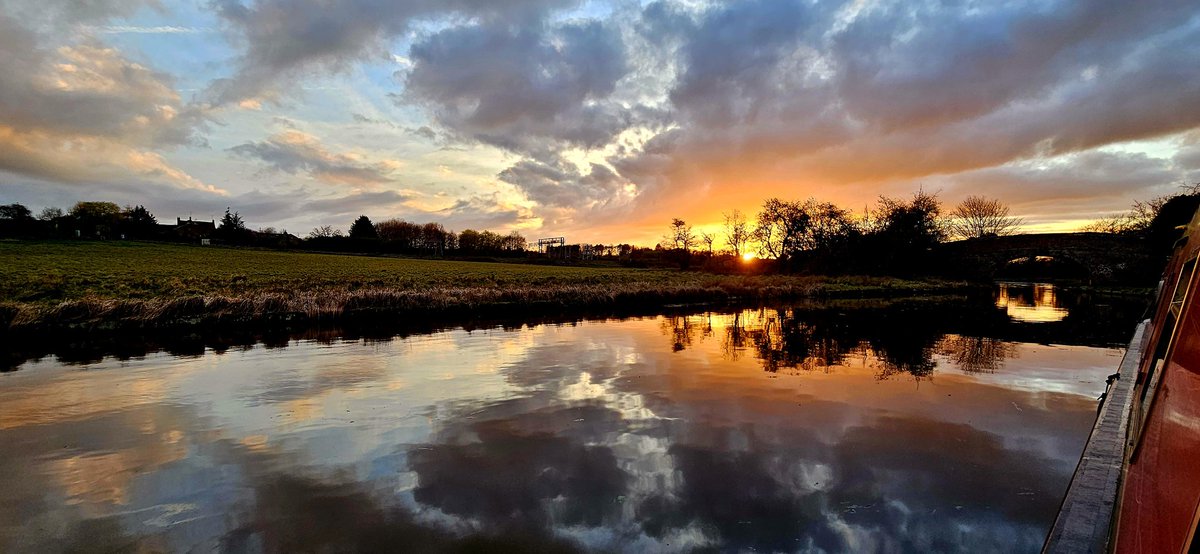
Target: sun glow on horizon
<point>748,257</point>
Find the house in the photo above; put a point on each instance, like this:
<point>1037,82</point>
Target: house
<point>193,231</point>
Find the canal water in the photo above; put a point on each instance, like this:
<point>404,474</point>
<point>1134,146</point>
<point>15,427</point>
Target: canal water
<point>918,425</point>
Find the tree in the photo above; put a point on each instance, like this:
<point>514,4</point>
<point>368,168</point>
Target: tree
<point>903,233</point>
<point>978,216</point>
<point>232,228</point>
<point>707,239</point>
<point>363,229</point>
<point>829,227</point>
<point>17,220</point>
<point>404,234</point>
<point>1142,215</point>
<point>96,210</point>
<point>815,235</point>
<point>138,221</point>
<point>737,232</point>
<point>231,222</point>
<point>513,241</point>
<point>324,232</point>
<point>470,240</point>
<point>96,219</point>
<point>779,227</point>
<point>915,223</point>
<point>681,236</point>
<point>15,212</point>
<point>436,238</point>
<point>50,213</point>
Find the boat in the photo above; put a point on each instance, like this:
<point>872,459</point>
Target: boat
<point>1137,486</point>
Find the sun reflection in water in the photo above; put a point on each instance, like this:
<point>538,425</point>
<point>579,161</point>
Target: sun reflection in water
<point>1030,303</point>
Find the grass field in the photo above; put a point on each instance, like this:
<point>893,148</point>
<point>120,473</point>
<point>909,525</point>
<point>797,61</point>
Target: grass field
<point>54,271</point>
<point>85,283</point>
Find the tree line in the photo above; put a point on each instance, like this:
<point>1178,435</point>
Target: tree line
<point>107,220</point>
<point>400,236</point>
<point>897,236</point>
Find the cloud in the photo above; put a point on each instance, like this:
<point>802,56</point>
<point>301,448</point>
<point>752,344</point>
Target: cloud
<point>559,183</point>
<point>612,118</point>
<point>295,152</point>
<point>358,203</point>
<point>530,89</point>
<point>483,212</point>
<point>779,98</point>
<point>283,39</point>
<point>81,111</point>
<point>63,15</point>
<point>1188,158</point>
<point>1074,187</point>
<point>564,194</point>
<point>155,30</point>
<point>925,63</point>
<point>360,118</point>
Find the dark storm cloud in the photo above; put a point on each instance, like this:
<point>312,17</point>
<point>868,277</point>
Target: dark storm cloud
<point>533,89</point>
<point>284,38</point>
<point>294,152</point>
<point>740,56</point>
<point>929,63</point>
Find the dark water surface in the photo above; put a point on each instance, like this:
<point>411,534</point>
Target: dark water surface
<point>886,426</point>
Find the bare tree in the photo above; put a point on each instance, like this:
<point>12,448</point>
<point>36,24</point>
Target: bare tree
<point>681,236</point>
<point>1120,223</point>
<point>737,231</point>
<point>707,239</point>
<point>780,226</point>
<point>980,216</point>
<point>324,231</point>
<point>1140,215</point>
<point>976,354</point>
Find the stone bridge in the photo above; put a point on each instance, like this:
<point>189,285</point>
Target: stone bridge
<point>1102,257</point>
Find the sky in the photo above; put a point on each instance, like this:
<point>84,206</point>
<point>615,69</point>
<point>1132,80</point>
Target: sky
<point>597,121</point>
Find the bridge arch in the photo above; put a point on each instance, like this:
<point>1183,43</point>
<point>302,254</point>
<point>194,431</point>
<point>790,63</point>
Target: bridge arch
<point>1043,266</point>
<point>1091,257</point>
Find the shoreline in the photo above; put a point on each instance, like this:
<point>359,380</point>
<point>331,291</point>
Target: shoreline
<point>334,306</point>
<point>956,311</point>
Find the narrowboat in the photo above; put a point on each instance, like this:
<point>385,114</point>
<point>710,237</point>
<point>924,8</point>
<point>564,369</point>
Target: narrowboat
<point>1137,486</point>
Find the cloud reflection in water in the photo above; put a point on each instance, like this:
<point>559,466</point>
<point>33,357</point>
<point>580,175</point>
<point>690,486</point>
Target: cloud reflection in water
<point>827,429</point>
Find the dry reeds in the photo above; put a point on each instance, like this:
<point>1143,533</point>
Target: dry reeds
<point>333,305</point>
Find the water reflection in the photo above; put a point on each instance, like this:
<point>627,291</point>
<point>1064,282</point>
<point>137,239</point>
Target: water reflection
<point>1030,302</point>
<point>595,436</point>
<point>894,339</point>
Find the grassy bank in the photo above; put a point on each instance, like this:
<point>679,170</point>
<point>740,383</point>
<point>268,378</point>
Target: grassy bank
<point>107,285</point>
